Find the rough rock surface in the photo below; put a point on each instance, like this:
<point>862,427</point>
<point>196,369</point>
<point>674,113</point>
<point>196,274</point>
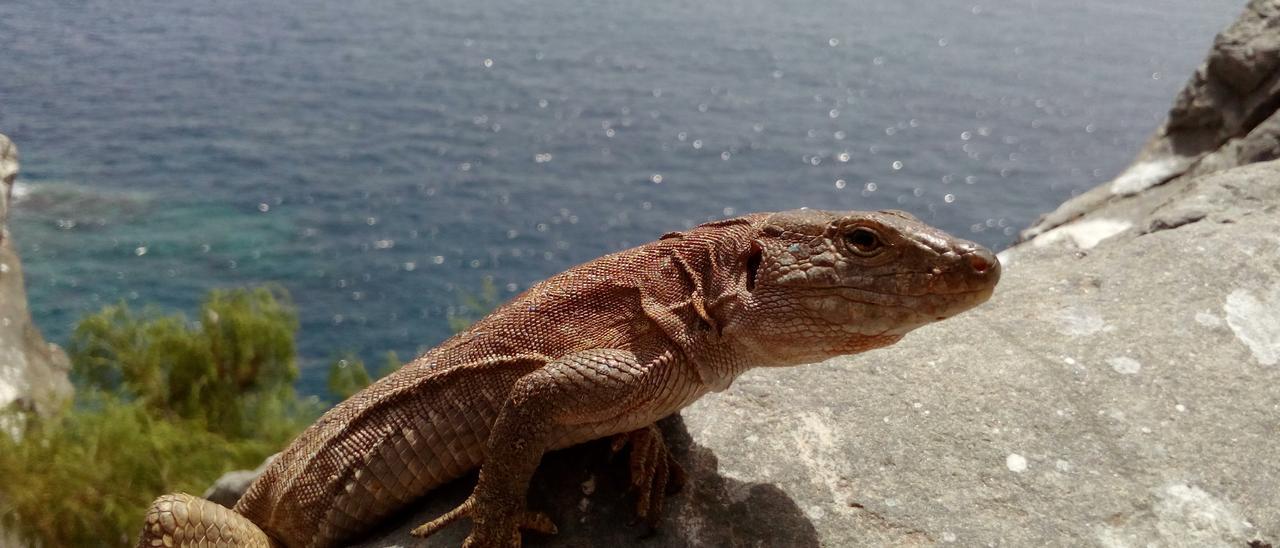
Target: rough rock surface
<point>33,373</point>
<point>1116,396</point>
<point>1228,115</point>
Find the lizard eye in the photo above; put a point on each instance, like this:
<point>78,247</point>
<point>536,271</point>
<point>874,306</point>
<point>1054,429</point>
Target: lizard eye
<point>863,241</point>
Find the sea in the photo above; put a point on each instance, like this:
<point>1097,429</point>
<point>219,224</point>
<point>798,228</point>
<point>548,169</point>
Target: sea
<point>391,161</point>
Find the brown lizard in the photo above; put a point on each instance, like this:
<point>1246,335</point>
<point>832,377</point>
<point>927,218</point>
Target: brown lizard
<point>606,348</point>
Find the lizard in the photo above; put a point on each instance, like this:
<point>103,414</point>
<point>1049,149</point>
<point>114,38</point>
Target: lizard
<point>606,348</point>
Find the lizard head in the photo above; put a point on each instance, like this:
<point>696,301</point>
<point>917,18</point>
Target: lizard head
<point>820,284</point>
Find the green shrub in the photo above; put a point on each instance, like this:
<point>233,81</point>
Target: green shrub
<point>86,478</point>
<point>163,404</point>
<point>473,306</point>
<point>233,370</point>
<point>347,375</point>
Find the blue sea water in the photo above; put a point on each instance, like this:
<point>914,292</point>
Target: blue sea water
<point>380,159</point>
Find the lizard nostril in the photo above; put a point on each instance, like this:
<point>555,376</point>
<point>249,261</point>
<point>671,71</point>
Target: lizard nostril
<point>981,261</point>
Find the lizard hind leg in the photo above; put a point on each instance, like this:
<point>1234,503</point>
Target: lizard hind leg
<point>655,473</point>
<point>181,520</point>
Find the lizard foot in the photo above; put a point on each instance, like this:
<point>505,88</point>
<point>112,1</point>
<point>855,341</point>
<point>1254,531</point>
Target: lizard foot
<point>655,473</point>
<point>537,522</point>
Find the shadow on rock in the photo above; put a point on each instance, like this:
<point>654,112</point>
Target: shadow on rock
<point>584,489</point>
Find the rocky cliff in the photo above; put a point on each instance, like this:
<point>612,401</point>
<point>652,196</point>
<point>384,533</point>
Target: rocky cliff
<point>1119,390</point>
<point>33,373</point>
<point>1226,116</point>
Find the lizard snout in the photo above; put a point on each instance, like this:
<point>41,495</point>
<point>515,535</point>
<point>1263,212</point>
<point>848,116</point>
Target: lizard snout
<point>982,264</point>
<point>981,260</point>
<point>977,266</point>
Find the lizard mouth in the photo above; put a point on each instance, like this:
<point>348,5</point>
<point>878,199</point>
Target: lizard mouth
<point>936,304</point>
<point>971,278</point>
<point>909,300</point>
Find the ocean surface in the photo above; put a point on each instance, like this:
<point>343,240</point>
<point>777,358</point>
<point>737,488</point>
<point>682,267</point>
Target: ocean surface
<point>382,159</point>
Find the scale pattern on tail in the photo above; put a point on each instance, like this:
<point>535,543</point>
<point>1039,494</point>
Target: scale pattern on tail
<point>180,519</point>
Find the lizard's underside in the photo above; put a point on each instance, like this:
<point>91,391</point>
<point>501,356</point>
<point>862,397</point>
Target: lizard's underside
<point>604,349</point>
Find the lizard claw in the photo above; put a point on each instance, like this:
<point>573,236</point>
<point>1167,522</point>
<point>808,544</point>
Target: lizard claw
<point>655,473</point>
<point>537,522</point>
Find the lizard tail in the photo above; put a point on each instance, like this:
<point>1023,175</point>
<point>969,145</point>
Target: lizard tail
<point>180,520</point>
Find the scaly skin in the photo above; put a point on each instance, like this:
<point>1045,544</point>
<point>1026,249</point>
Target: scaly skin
<point>604,349</point>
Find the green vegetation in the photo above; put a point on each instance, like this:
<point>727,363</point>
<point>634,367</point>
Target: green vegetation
<point>474,306</point>
<point>347,375</point>
<point>163,404</point>
<point>86,478</point>
<point>232,371</point>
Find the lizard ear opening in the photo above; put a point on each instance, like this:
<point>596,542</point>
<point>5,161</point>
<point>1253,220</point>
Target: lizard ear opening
<point>754,257</point>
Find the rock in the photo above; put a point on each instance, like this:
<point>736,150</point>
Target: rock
<point>33,373</point>
<point>228,489</point>
<point>1226,116</point>
<point>1122,395</point>
<point>8,173</point>
<point>583,489</point>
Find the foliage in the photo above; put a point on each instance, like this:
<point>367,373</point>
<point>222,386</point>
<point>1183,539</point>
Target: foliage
<point>228,371</point>
<point>347,375</point>
<point>474,305</point>
<point>167,404</point>
<point>163,404</point>
<point>86,478</point>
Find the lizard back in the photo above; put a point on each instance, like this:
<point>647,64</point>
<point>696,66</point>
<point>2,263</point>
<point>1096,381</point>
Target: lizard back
<point>428,422</point>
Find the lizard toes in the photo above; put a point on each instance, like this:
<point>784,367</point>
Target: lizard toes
<point>678,476</point>
<point>538,522</point>
<point>432,527</point>
<point>489,535</point>
<point>657,489</point>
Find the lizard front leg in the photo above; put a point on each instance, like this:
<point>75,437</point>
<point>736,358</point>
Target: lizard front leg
<point>596,391</point>
<point>655,473</point>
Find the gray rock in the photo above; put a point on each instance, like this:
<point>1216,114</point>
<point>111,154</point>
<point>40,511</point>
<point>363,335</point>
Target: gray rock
<point>583,489</point>
<point>8,173</point>
<point>1225,117</point>
<point>228,489</point>
<point>1261,144</point>
<point>33,373</point>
